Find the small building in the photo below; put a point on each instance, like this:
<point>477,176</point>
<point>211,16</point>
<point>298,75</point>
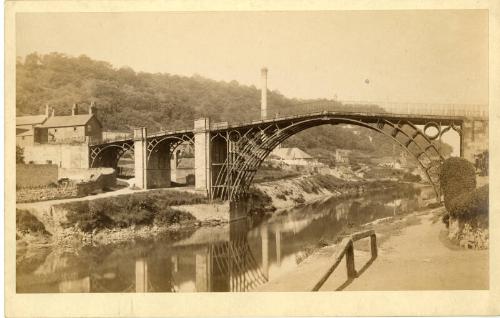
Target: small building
<point>293,157</point>
<point>25,135</point>
<point>342,156</point>
<point>76,127</point>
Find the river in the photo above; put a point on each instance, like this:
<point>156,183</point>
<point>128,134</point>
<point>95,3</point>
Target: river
<point>234,257</point>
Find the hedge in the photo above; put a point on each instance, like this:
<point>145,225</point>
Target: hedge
<point>457,176</point>
<point>470,205</point>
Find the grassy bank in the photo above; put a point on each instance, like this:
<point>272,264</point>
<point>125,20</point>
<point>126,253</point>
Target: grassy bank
<point>287,193</point>
<point>145,208</point>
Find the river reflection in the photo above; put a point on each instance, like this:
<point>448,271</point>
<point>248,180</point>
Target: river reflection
<point>236,257</point>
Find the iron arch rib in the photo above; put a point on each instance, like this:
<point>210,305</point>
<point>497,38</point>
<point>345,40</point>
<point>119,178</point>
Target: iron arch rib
<point>255,145</point>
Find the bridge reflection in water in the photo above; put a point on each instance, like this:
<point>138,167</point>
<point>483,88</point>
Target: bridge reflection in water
<point>236,257</point>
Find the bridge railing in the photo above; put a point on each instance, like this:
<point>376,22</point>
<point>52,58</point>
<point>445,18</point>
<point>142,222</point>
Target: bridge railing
<point>346,248</point>
<point>365,107</point>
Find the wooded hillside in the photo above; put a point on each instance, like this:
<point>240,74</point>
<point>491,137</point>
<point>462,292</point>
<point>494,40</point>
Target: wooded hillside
<point>127,99</point>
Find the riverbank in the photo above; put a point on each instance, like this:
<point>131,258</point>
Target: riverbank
<point>288,193</point>
<point>413,254</point>
<point>128,214</point>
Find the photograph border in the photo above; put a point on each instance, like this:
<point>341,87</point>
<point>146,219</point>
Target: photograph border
<point>366,303</point>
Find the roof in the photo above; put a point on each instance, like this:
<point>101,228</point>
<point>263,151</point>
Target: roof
<point>185,163</point>
<point>30,120</point>
<point>66,121</point>
<point>24,132</point>
<point>290,153</point>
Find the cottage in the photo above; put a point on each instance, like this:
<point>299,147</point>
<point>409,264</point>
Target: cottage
<point>68,129</point>
<point>25,128</point>
<point>293,157</point>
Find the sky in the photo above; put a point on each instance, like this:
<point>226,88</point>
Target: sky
<point>417,56</point>
<point>396,56</point>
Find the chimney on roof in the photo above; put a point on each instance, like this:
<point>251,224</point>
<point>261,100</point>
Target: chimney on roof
<point>46,110</point>
<point>53,113</point>
<point>263,97</point>
<point>92,109</point>
<point>74,110</point>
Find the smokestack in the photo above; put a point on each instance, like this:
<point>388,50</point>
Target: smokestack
<point>263,97</point>
<point>53,112</point>
<point>46,110</point>
<point>74,110</point>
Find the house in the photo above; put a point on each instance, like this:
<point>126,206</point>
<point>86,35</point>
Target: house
<point>25,128</point>
<point>342,156</point>
<point>49,128</point>
<point>293,157</point>
<point>70,129</point>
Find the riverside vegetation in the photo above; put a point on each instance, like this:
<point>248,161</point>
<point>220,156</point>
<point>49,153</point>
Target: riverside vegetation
<point>467,206</point>
<point>161,209</point>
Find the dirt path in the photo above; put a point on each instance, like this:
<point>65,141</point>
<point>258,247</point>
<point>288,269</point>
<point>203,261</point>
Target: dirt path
<point>126,190</point>
<point>420,258</point>
<point>414,255</point>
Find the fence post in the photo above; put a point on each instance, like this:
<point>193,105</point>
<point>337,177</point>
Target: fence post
<point>349,260</point>
<point>373,241</point>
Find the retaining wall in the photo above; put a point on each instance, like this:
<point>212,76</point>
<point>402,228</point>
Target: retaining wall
<point>28,176</point>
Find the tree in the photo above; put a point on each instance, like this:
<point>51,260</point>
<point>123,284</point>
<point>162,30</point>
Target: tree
<point>19,154</point>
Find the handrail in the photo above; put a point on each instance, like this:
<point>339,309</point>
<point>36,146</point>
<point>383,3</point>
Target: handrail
<point>346,247</point>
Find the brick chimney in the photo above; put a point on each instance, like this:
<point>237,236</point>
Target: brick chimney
<point>263,96</point>
<point>93,108</point>
<point>74,110</point>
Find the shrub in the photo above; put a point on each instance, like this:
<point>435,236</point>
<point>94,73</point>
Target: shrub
<point>171,216</point>
<point>457,176</point>
<point>130,209</point>
<point>28,223</point>
<point>258,201</point>
<point>470,205</point>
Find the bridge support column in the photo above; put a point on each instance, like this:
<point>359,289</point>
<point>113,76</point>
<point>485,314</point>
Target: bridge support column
<point>474,139</point>
<point>202,157</point>
<point>141,157</point>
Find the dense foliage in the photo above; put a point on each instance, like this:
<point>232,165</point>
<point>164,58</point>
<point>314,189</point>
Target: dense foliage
<point>470,205</point>
<point>129,209</point>
<point>457,176</point>
<point>128,99</point>
<point>28,223</point>
<point>19,154</point>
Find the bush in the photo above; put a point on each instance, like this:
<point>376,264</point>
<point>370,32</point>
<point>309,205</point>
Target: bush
<point>470,205</point>
<point>457,176</point>
<point>130,209</point>
<point>28,223</point>
<point>171,216</point>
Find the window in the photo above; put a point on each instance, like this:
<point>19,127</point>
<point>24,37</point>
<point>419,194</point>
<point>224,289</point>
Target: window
<point>23,137</point>
<point>74,128</point>
<point>89,128</point>
<point>55,130</point>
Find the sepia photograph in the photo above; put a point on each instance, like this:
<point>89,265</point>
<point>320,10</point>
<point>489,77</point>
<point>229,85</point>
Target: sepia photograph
<point>249,151</point>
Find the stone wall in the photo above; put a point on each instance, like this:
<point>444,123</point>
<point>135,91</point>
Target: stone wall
<point>47,193</point>
<point>62,155</point>
<point>28,176</point>
<point>83,174</point>
<point>95,184</point>
<point>101,182</point>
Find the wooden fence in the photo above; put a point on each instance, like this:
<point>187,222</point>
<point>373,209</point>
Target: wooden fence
<point>346,248</point>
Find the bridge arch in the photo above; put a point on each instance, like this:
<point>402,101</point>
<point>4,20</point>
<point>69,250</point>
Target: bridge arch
<point>108,155</point>
<point>246,154</point>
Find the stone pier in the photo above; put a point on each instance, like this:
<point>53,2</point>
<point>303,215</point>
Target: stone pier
<point>474,139</point>
<point>140,158</point>
<point>202,157</point>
